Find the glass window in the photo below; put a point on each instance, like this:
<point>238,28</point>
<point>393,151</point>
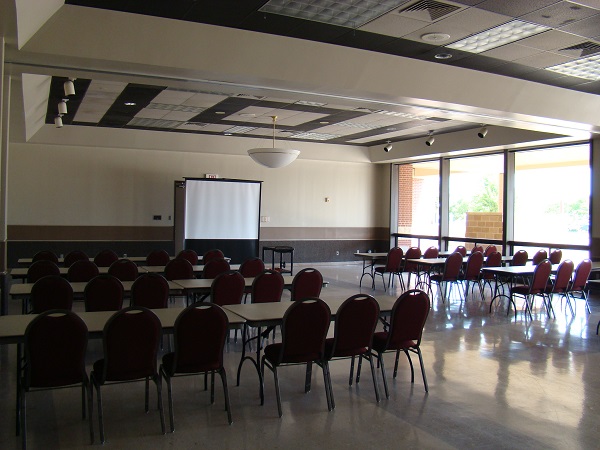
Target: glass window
<point>475,197</point>
<point>552,195</point>
<point>418,199</point>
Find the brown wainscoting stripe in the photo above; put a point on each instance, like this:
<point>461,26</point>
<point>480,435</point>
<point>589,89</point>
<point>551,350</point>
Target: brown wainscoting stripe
<point>3,265</point>
<point>595,249</point>
<point>87,233</point>
<point>329,233</point>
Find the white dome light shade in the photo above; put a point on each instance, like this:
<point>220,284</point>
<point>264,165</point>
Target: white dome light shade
<point>273,158</point>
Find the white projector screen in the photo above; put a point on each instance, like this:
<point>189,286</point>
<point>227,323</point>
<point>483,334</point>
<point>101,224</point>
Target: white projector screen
<point>222,209</point>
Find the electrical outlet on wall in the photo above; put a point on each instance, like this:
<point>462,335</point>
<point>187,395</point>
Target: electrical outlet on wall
<point>337,253</point>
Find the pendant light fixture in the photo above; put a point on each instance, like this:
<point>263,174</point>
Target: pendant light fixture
<point>274,157</point>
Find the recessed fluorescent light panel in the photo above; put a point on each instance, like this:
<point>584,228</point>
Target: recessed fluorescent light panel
<point>497,36</point>
<point>345,13</point>
<point>240,130</point>
<point>586,68</point>
<point>398,114</point>
<point>315,136</point>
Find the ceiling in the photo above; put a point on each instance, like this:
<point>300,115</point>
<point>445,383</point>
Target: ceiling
<point>319,105</point>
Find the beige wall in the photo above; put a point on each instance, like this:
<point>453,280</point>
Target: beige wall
<point>90,186</point>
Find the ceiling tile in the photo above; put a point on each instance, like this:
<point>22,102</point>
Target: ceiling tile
<point>560,14</point>
<point>148,113</point>
<point>172,97</point>
<point>545,59</point>
<point>515,8</point>
<point>511,52</point>
<point>204,100</point>
<point>589,28</point>
<point>551,40</point>
<point>391,24</point>
<point>179,115</point>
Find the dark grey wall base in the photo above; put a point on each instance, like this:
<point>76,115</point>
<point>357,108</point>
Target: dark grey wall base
<point>324,251</point>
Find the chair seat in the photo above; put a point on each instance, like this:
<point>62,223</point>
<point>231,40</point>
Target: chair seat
<point>99,370</point>
<point>522,289</point>
<point>380,341</point>
<point>380,269</point>
<point>167,362</point>
<point>273,351</point>
<point>341,352</point>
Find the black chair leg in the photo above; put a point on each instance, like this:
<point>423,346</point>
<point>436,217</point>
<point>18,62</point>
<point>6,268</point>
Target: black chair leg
<point>226,394</point>
<point>307,381</point>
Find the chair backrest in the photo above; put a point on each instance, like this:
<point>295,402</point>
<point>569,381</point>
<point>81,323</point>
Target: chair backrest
<point>227,288</point>
<point>190,255</point>
<point>452,266</point>
<point>584,268</point>
<point>355,324</point>
<point>45,255</point>
<point>412,253</point>
<point>563,275</point>
<point>41,268</point>
<point>555,256</point>
<point>103,293</point>
<point>124,270</point>
<point>212,254</point>
<point>539,256</point>
<point>130,338</point>
<point>474,264</point>
<point>215,267</point>
<point>494,259</point>
<point>489,250</point>
<point>150,290</point>
<point>179,269</point>
<point>158,258</point>
<point>304,330</point>
<point>51,292</point>
<point>461,249</point>
<point>307,283</point>
<point>477,248</point>
<point>409,315</point>
<point>519,258</point>
<point>55,345</point>
<point>82,270</point>
<point>267,287</point>
<point>74,256</point>
<point>431,252</point>
<point>541,275</point>
<point>105,258</point>
<point>252,267</point>
<point>200,335</point>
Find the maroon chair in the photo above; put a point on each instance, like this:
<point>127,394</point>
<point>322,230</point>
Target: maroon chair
<point>158,258</point>
<point>303,333</point>
<point>267,287</point>
<point>355,324</point>
<point>124,270</point>
<point>477,248</point>
<point>306,283</point>
<point>252,267</point>
<point>578,285</point>
<point>519,258</point>
<point>450,274</point>
<point>489,250</point>
<point>411,267</point>
<point>41,268</point>
<point>200,333</point>
<point>461,249</point>
<point>105,258</point>
<point>393,266</point>
<point>539,256</point>
<point>227,288</point>
<point>431,252</point>
<point>537,287</point>
<point>130,340</point>
<point>51,292</point>
<point>82,271</point>
<point>55,346</point>
<point>214,267</point>
<point>190,255</point>
<point>75,255</point>
<point>407,321</point>
<point>494,259</point>
<point>103,293</point>
<point>150,290</point>
<point>45,255</point>
<point>179,269</point>
<point>560,284</point>
<point>212,254</point>
<point>472,273</point>
<point>555,256</point>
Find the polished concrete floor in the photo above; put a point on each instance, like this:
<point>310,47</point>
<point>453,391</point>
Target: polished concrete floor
<point>494,382</point>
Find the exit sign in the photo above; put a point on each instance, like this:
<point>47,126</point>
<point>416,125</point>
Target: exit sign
<point>211,175</point>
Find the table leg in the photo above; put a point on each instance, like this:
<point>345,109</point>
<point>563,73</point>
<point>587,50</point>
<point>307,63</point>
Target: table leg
<point>246,341</point>
<point>368,270</point>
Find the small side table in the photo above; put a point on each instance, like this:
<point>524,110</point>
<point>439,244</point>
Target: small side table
<point>281,249</point>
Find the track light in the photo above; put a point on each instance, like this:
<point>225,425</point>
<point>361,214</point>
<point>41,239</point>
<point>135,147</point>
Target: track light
<point>62,106</point>
<point>69,87</point>
<point>58,121</point>
<point>388,147</point>
<point>482,132</point>
<point>429,142</point>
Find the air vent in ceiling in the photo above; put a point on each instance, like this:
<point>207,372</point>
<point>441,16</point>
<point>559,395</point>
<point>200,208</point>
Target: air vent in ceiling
<point>584,49</point>
<point>428,10</point>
